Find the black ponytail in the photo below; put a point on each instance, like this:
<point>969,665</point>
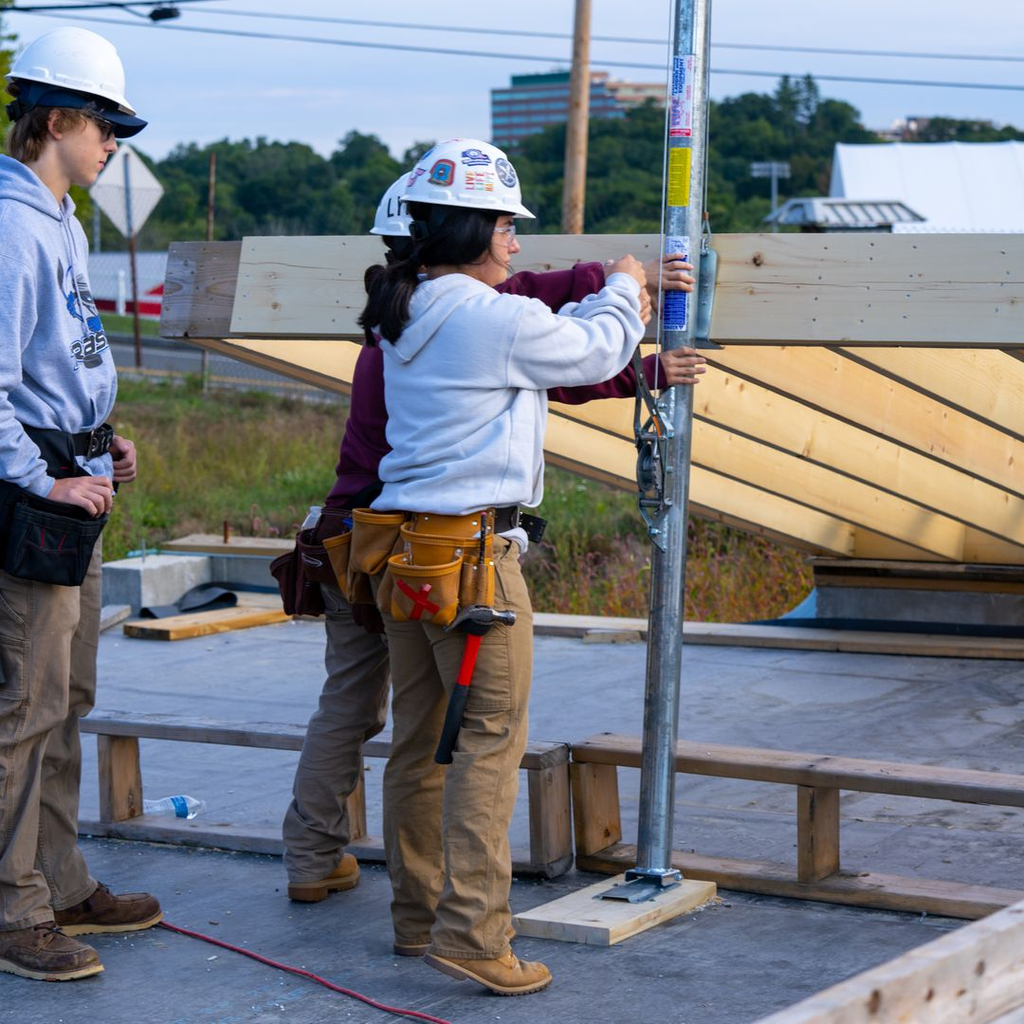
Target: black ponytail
<point>440,236</point>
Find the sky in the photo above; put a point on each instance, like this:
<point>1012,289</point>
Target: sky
<point>199,87</point>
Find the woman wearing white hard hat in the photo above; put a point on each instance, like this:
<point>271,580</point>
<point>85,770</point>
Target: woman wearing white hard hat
<point>466,376</point>
<point>59,462</point>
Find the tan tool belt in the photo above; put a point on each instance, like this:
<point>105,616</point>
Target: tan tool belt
<point>443,562</point>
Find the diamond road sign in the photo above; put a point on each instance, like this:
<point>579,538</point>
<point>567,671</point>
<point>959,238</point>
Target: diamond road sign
<point>124,177</point>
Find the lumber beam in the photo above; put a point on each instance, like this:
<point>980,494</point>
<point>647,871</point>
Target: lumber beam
<point>802,289</point>
<point>836,384</point>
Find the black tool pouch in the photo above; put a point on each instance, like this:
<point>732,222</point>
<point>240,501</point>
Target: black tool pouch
<point>49,541</point>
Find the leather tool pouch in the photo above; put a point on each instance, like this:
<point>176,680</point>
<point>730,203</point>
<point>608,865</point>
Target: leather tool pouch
<point>375,537</point>
<point>438,569</point>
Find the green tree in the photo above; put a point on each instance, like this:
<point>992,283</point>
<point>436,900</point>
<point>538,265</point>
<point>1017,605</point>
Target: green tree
<point>6,58</point>
<point>948,129</point>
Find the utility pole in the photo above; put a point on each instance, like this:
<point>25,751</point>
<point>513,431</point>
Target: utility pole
<point>774,170</point>
<point>130,221</point>
<point>211,194</point>
<point>574,189</point>
<point>684,207</point>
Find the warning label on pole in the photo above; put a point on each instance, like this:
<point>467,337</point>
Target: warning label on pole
<point>680,123</point>
<point>679,176</point>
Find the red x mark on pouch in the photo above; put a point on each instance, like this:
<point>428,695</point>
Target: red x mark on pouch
<point>420,604</point>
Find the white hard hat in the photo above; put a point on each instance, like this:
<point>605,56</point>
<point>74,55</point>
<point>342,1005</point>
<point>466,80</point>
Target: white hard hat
<point>468,173</point>
<point>392,217</point>
<point>75,60</point>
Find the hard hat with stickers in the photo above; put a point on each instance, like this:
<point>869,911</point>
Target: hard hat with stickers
<point>467,173</point>
<point>73,67</point>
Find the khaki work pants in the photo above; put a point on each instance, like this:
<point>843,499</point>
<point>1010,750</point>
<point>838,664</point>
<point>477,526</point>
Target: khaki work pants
<point>446,827</point>
<point>353,708</point>
<point>48,642</point>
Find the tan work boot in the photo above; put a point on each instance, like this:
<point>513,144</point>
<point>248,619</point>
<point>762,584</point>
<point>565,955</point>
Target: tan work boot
<point>344,876</point>
<point>420,948</point>
<point>45,953</point>
<point>506,975</point>
<point>105,912</point>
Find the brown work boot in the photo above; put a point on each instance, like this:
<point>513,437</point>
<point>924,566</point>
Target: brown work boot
<point>45,953</point>
<point>506,975</point>
<point>105,912</point>
<point>344,876</point>
<point>420,948</point>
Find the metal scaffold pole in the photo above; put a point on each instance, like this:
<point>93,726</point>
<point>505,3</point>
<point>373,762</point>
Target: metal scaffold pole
<point>668,455</point>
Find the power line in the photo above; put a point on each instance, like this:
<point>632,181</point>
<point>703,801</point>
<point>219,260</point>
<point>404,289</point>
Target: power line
<point>122,4</point>
<point>324,19</point>
<point>408,48</point>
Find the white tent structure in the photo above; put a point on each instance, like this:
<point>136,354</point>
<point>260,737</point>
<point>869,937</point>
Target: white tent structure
<point>955,186</point>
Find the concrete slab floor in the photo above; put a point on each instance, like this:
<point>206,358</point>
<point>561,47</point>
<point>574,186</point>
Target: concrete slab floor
<point>726,965</point>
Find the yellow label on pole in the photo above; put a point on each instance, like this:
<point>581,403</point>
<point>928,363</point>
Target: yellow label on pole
<point>679,176</point>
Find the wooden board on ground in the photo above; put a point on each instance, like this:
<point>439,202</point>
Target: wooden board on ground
<point>972,976</point>
<point>740,634</point>
<point>193,624</point>
<point>213,544</point>
<point>584,917</point>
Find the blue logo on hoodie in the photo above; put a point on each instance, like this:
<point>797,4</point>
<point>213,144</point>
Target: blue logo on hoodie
<point>87,350</point>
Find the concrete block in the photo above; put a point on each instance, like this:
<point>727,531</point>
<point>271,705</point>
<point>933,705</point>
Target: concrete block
<point>154,579</point>
<point>243,570</point>
<point>898,605</point>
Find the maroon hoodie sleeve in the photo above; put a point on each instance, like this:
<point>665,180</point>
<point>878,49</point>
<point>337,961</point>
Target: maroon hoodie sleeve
<point>556,287</point>
<point>364,443</point>
<point>623,385</point>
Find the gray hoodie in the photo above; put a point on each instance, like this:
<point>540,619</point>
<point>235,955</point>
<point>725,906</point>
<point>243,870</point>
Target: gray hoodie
<point>56,370</point>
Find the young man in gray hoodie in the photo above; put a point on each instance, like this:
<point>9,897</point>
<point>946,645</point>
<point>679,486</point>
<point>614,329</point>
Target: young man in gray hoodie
<point>58,457</point>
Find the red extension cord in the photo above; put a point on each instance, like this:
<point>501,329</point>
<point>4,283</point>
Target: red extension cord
<point>305,974</point>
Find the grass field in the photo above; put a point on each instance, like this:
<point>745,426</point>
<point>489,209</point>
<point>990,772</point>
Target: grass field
<point>257,462</point>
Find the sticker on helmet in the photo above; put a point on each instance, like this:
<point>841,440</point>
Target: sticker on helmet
<point>506,172</point>
<point>479,181</point>
<point>416,173</point>
<point>475,158</point>
<point>442,173</point>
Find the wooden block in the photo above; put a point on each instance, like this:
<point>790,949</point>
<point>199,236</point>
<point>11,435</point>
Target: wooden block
<point>120,777</point>
<point>584,917</point>
<point>357,808</point>
<point>212,544</point>
<point>595,800</point>
<point>184,627</point>
<point>550,819</point>
<point>865,889</point>
<point>974,974</point>
<point>817,832</point>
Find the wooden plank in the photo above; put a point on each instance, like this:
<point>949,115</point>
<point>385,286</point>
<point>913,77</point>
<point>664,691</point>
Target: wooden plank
<point>933,291</point>
<point>840,386</point>
<point>550,819</point>
<point>595,804</point>
<point>984,384</point>
<point>728,634</point>
<point>212,544</point>
<point>584,917</point>
<point>787,767</point>
<point>817,832</point>
<point>736,416</point>
<point>185,627</point>
<point>864,889</point>
<point>974,975</point>
<point>120,777</point>
<point>199,290</point>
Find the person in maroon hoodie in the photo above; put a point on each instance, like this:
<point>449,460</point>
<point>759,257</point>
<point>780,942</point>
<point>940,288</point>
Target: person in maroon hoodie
<point>353,703</point>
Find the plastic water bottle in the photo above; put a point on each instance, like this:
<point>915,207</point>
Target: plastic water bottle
<point>312,518</point>
<point>174,806</point>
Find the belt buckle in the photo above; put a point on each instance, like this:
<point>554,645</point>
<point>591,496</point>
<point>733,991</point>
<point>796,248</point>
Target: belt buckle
<point>514,518</point>
<point>99,440</point>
